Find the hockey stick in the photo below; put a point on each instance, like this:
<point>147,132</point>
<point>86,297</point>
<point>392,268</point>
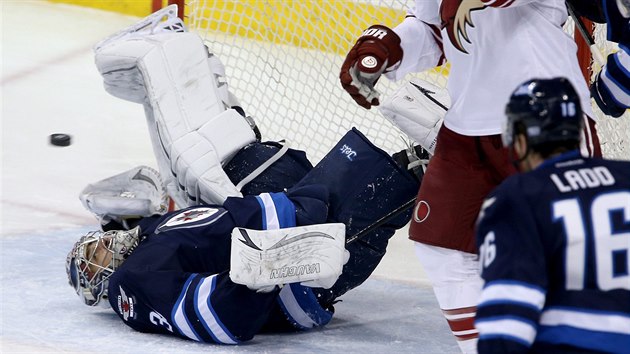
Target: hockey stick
<point>597,55</point>
<point>392,214</point>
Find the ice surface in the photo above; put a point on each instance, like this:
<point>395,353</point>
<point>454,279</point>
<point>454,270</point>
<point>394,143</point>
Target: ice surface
<point>50,85</point>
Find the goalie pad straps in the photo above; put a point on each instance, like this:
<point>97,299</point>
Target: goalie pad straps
<point>186,101</point>
<point>417,108</point>
<point>263,167</point>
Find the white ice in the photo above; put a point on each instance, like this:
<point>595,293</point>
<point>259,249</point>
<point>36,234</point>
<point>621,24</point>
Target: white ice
<point>50,85</point>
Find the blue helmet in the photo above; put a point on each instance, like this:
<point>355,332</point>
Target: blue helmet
<point>548,109</point>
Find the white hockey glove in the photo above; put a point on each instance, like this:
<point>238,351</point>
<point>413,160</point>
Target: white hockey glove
<point>187,105</point>
<point>135,193</point>
<point>313,255</point>
<point>417,108</point>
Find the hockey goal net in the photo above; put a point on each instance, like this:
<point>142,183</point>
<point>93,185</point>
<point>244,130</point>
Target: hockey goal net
<point>282,60</point>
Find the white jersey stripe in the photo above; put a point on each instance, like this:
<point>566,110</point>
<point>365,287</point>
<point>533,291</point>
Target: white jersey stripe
<point>619,94</point>
<point>293,308</point>
<point>179,318</point>
<point>271,216</point>
<point>592,321</point>
<point>207,315</point>
<point>512,327</point>
<point>512,292</point>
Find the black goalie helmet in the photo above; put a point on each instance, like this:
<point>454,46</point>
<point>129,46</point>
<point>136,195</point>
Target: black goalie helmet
<point>549,110</point>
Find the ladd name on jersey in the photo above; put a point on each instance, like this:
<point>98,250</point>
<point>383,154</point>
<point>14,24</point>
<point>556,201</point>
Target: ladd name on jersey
<point>583,178</point>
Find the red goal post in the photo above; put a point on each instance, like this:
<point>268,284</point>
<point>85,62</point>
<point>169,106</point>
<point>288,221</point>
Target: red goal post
<point>282,59</point>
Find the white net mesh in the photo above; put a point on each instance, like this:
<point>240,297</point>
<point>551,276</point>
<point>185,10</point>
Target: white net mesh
<point>282,60</point>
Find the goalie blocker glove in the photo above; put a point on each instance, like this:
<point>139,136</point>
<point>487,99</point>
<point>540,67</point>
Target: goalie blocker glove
<point>375,52</point>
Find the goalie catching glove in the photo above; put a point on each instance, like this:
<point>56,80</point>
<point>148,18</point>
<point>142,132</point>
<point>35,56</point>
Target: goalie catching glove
<point>418,108</point>
<point>375,52</point>
<point>135,193</point>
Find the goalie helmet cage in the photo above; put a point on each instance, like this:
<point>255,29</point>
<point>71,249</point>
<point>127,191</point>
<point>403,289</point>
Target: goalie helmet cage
<point>282,61</point>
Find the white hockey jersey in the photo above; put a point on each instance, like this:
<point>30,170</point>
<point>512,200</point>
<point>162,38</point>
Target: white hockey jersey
<point>492,47</point>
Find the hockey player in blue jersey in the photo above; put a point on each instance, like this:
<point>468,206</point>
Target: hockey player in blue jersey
<point>214,273</point>
<point>554,241</point>
<point>611,87</point>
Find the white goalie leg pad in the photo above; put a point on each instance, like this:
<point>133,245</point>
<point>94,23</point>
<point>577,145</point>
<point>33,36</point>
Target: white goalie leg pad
<point>417,108</point>
<point>197,158</point>
<point>133,193</point>
<point>117,64</point>
<point>303,254</point>
<point>186,101</point>
<point>161,21</point>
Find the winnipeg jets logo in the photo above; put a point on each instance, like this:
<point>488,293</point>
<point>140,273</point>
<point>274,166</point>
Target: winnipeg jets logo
<point>456,18</point>
<point>193,217</point>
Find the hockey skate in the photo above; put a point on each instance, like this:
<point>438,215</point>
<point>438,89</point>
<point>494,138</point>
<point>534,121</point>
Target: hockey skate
<point>313,255</point>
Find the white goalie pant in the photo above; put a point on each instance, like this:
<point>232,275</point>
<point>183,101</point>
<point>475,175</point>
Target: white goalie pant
<point>187,106</point>
<point>457,287</point>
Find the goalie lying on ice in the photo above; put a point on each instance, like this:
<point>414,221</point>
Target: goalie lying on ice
<point>260,244</point>
<point>206,274</point>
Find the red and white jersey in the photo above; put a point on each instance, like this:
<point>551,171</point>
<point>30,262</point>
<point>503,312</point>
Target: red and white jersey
<point>492,47</point>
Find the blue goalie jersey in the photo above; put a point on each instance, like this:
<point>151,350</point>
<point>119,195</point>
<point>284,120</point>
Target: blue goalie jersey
<point>177,279</point>
<point>554,247</point>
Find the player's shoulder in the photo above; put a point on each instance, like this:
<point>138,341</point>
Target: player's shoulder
<point>518,186</point>
<point>592,172</point>
<point>616,167</point>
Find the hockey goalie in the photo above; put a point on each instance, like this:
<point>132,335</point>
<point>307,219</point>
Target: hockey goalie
<point>262,240</point>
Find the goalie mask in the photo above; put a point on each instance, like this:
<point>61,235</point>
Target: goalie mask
<point>549,110</point>
<point>94,258</point>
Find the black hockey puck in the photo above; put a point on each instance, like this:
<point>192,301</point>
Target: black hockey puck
<point>59,139</point>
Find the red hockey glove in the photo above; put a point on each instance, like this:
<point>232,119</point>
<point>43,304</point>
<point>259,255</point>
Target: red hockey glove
<point>375,52</point>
